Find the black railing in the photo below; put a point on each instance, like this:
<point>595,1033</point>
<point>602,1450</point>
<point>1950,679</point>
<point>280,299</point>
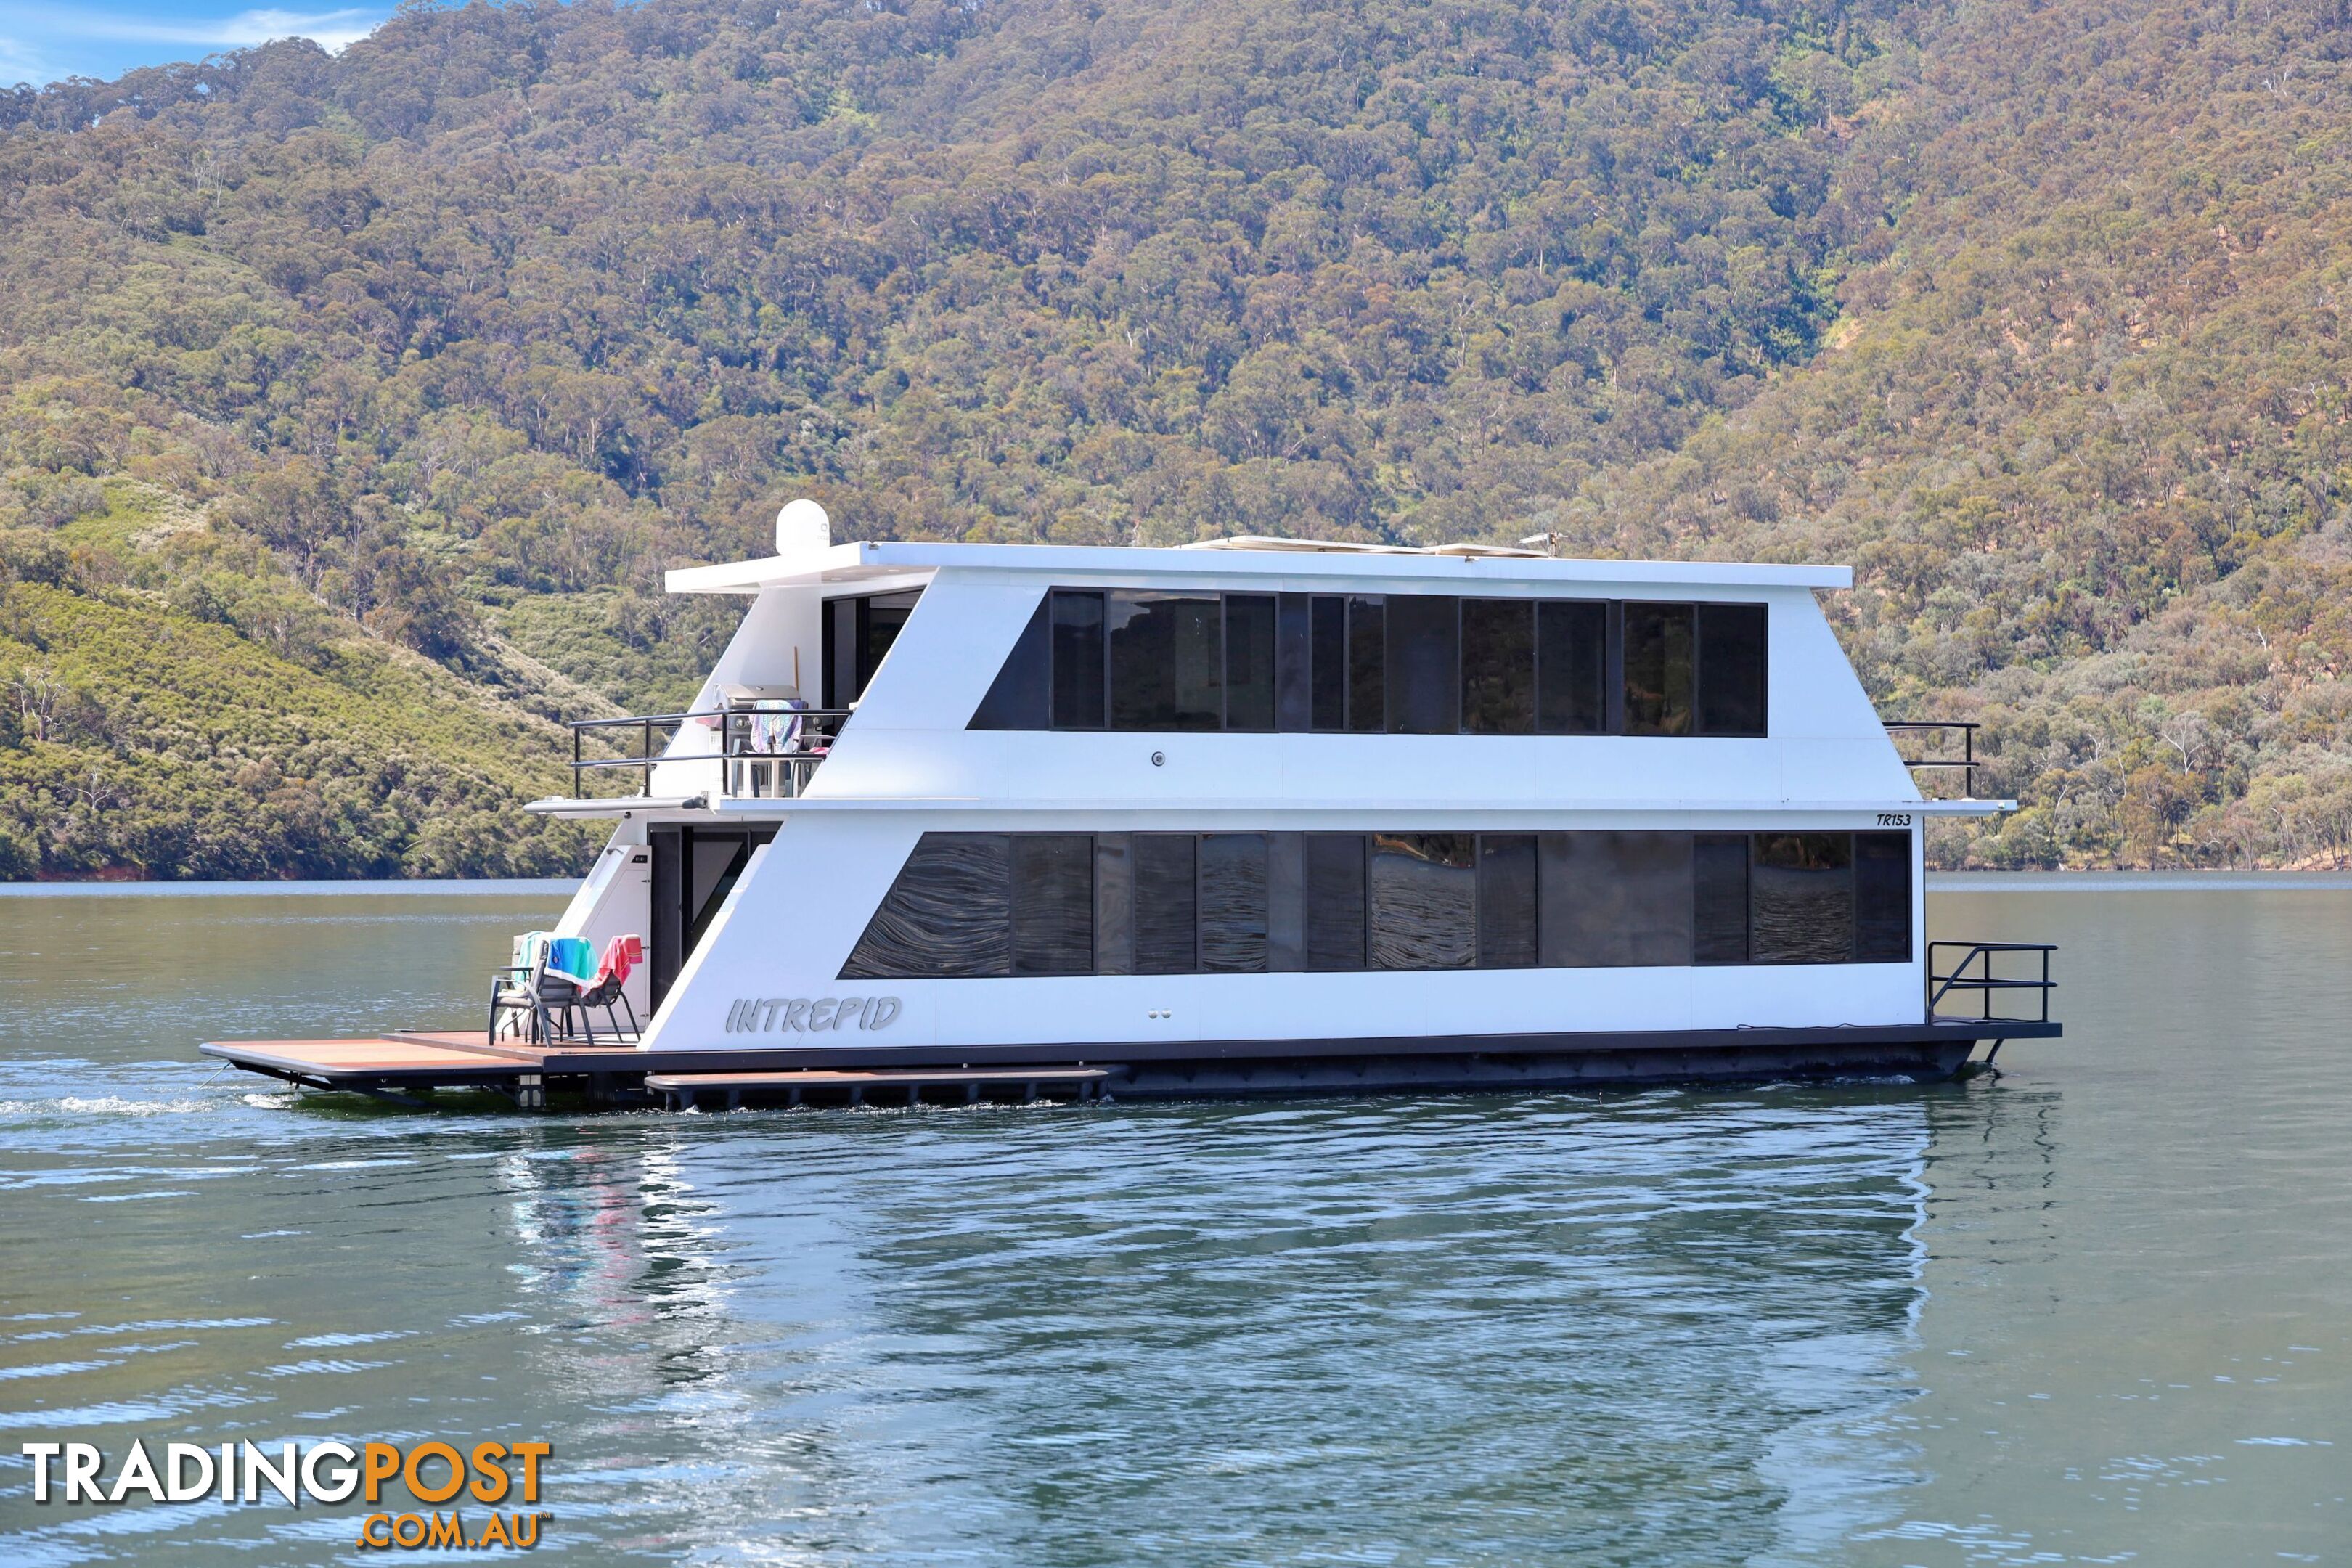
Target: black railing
<point>763,753</point>
<point>1974,972</point>
<point>1942,728</point>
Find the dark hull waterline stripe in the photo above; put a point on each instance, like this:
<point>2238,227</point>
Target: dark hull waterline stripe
<point>1852,1038</point>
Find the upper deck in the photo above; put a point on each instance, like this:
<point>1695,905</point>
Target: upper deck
<point>1248,677</point>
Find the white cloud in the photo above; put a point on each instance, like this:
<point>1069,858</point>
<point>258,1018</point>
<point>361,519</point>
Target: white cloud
<point>21,62</point>
<point>44,43</point>
<point>331,30</point>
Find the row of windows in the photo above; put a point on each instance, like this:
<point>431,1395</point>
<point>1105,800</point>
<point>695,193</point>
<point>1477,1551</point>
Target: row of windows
<point>1422,664</point>
<point>976,904</point>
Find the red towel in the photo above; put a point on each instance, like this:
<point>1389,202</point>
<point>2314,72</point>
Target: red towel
<point>622,954</point>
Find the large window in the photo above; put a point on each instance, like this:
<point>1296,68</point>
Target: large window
<point>1419,664</point>
<point>1232,903</point>
<point>1616,900</point>
<point>975,904</point>
<point>1167,915</point>
<point>948,915</point>
<point>1800,898</point>
<point>1052,899</point>
<point>1424,902</point>
<point>1335,900</point>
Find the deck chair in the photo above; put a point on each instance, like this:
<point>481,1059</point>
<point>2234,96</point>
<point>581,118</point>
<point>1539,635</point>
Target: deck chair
<point>533,1001</point>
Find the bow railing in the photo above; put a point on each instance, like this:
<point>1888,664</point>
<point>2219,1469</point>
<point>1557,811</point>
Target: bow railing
<point>1974,975</point>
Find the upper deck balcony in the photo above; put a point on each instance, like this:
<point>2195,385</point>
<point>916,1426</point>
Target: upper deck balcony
<point>750,750</point>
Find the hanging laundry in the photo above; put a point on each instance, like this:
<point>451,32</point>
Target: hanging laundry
<point>773,725</point>
<point>622,954</point>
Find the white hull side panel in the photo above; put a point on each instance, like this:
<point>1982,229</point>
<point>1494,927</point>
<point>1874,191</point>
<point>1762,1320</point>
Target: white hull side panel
<point>804,899</point>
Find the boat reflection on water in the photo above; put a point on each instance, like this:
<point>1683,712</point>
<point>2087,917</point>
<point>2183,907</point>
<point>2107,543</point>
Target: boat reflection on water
<point>1655,1327</point>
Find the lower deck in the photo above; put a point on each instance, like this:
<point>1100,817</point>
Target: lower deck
<point>401,1064</point>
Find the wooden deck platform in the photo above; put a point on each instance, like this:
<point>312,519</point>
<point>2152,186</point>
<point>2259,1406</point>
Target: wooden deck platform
<point>401,1064</point>
<point>382,1059</point>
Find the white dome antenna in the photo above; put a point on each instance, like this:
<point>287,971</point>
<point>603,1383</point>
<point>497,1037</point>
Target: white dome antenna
<point>801,528</point>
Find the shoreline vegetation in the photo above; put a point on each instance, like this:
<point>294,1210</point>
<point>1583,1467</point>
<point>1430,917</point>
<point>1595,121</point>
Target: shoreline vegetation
<point>351,407</point>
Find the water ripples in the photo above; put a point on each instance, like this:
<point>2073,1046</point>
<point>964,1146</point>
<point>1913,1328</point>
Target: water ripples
<point>1829,1324</point>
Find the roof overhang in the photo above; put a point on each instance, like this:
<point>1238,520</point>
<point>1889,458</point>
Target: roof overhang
<point>871,563</point>
<point>701,808</point>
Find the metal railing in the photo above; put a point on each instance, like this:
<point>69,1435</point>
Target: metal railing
<point>1984,982</point>
<point>1966,762</point>
<point>763,753</point>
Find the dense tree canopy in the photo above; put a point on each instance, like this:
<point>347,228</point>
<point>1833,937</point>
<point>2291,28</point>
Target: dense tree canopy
<point>404,373</point>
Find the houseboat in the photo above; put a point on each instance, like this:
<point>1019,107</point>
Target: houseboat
<point>1254,815</point>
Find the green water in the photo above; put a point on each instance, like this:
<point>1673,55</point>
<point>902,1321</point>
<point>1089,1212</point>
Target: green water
<point>2097,1311</point>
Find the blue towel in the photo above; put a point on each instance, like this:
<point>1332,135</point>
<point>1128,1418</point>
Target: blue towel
<point>573,959</point>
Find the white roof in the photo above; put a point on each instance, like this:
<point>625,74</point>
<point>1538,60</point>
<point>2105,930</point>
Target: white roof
<point>1233,560</point>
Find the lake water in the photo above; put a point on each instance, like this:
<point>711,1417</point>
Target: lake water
<point>2099,1310</point>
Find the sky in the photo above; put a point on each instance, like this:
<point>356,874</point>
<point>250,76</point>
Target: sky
<point>41,41</point>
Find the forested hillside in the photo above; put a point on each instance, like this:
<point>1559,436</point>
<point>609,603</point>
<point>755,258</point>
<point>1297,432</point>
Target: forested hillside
<point>375,391</point>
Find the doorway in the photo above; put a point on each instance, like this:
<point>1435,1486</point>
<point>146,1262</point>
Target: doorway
<point>694,871</point>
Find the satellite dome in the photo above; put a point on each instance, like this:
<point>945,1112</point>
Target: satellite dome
<point>801,526</point>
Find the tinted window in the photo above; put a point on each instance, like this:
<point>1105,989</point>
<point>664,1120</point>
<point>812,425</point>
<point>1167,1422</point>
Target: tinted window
<point>1424,898</point>
<point>1719,912</point>
<point>1506,900</point>
<point>1572,668</point>
<point>1249,661</point>
<point>881,616</point>
<point>1167,661</point>
<point>1615,900</point>
<point>840,652</point>
<point>1053,903</point>
<point>1657,669</point>
<point>1021,697</point>
<point>1166,904</point>
<point>1406,664</point>
<point>1329,635</point>
<point>1233,902</point>
<point>1293,665</point>
<point>947,915</point>
<point>1499,666</point>
<point>1731,670</point>
<point>1425,678</point>
<point>1800,898</point>
<point>1077,660</point>
<point>1366,665</point>
<point>1882,898</point>
<point>1335,900</point>
<point>976,904</point>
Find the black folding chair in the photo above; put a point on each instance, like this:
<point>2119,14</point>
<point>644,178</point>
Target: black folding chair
<point>540,1007</point>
